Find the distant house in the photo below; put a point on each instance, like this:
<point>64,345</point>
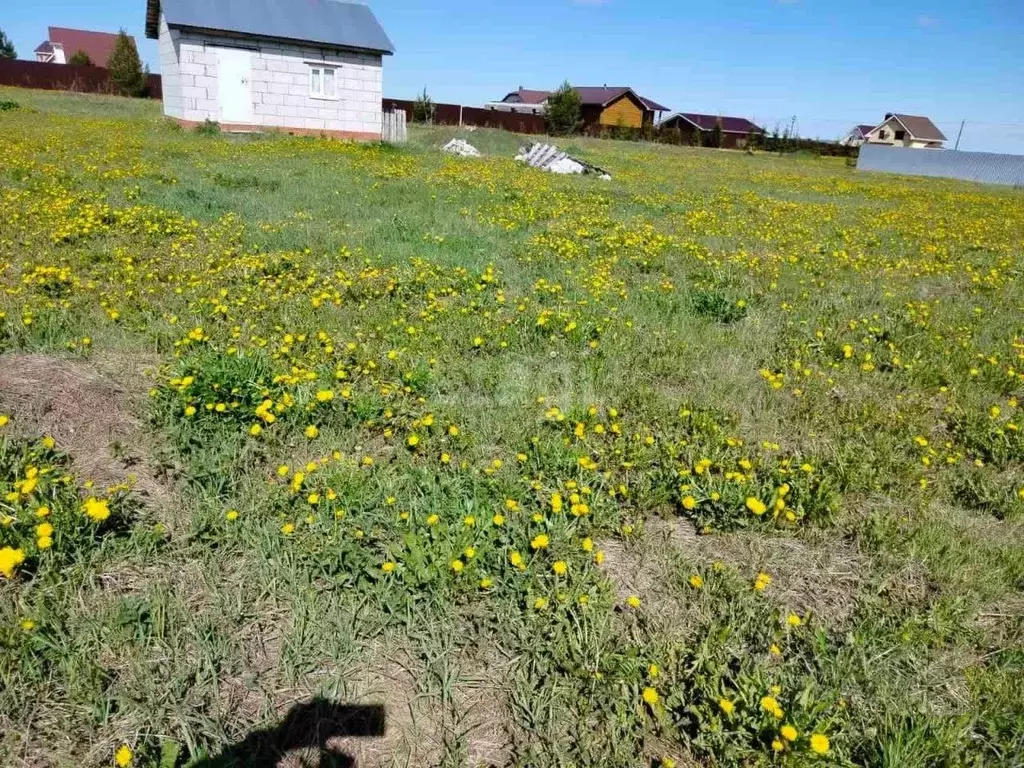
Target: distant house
<point>311,67</point>
<point>605,105</point>
<point>857,136</point>
<point>64,43</point>
<point>911,131</point>
<point>736,131</point>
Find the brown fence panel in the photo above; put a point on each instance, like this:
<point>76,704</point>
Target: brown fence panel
<point>490,118</point>
<point>454,114</point>
<point>65,77</point>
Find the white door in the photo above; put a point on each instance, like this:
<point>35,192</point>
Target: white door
<point>234,94</point>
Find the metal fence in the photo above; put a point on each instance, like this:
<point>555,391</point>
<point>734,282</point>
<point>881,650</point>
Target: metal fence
<point>66,77</point>
<point>984,167</point>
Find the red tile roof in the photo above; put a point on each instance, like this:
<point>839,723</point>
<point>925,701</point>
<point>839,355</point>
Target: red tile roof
<point>97,45</point>
<point>729,124</point>
<point>526,96</point>
<point>653,105</point>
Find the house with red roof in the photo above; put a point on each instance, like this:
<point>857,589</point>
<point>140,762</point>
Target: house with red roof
<point>737,132</point>
<point>63,43</point>
<point>602,106</point>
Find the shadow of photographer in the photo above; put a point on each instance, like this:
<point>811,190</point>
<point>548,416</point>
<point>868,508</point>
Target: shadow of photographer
<point>310,725</point>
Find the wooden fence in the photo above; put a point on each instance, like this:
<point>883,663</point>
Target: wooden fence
<point>394,128</point>
<point>66,77</point>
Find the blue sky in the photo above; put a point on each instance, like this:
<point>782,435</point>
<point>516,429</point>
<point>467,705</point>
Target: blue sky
<point>829,63</point>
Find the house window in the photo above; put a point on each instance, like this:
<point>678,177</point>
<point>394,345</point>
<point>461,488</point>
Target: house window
<point>900,135</point>
<point>323,83</point>
<point>883,135</point>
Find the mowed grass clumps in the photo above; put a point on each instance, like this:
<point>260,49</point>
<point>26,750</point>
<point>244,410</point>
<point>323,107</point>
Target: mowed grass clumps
<point>415,410</point>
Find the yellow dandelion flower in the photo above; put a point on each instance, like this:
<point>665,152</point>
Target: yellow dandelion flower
<point>9,560</point>
<point>820,743</point>
<point>123,756</point>
<point>756,505</point>
<point>97,510</point>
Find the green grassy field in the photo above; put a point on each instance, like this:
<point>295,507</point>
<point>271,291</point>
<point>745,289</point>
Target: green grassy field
<point>717,463</point>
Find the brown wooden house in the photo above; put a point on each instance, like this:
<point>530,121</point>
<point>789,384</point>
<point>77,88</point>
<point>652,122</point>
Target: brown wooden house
<point>736,132</point>
<point>602,106</point>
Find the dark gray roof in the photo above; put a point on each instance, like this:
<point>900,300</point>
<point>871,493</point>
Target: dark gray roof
<point>321,22</point>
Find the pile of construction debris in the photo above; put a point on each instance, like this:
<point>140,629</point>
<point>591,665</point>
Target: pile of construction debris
<point>546,157</point>
<point>460,147</point>
<point>550,158</point>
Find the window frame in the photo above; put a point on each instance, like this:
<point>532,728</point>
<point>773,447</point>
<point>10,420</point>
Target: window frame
<point>318,69</point>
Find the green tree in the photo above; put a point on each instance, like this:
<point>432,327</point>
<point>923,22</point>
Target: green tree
<point>716,134</point>
<point>564,112</point>
<point>80,59</point>
<point>423,108</point>
<point>7,47</point>
<point>125,67</point>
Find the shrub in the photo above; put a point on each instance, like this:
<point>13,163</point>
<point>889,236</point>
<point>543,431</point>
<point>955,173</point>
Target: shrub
<point>125,67</point>
<point>6,105</point>
<point>423,108</point>
<point>80,59</point>
<point>564,111</point>
<point>716,306</point>
<point>208,128</point>
<point>7,47</point>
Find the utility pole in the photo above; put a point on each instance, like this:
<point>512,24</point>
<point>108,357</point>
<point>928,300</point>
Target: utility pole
<point>961,133</point>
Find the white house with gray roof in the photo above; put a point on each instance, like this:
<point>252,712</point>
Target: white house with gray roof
<point>309,67</point>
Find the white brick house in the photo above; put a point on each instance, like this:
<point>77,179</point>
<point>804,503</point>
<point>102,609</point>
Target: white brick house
<point>306,68</point>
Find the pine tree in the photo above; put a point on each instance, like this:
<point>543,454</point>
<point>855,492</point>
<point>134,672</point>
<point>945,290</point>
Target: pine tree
<point>423,108</point>
<point>716,134</point>
<point>564,110</point>
<point>125,67</point>
<point>80,59</point>
<point>7,47</point>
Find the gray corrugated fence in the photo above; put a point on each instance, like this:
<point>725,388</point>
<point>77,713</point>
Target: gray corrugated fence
<point>986,167</point>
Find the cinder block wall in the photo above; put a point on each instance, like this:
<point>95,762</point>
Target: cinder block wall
<point>279,84</point>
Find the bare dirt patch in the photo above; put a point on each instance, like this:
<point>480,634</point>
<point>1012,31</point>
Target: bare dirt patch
<point>816,574</point>
<point>88,409</point>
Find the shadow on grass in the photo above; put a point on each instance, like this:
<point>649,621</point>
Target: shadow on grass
<point>306,726</point>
